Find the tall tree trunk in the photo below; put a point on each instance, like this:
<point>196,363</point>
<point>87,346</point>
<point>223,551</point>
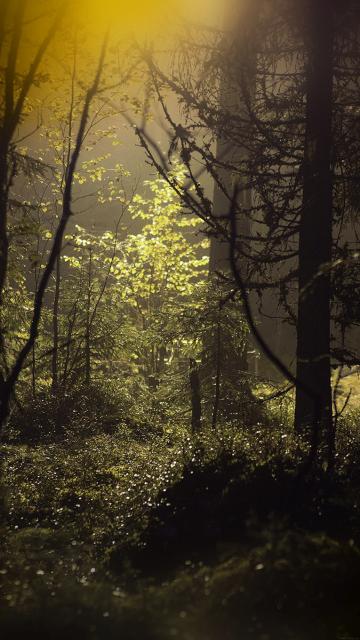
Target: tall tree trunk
<point>4,241</point>
<point>33,371</point>
<point>239,25</point>
<point>315,234</point>
<point>88,324</point>
<point>195,386</point>
<point>55,352</point>
<point>217,375</point>
<point>9,122</point>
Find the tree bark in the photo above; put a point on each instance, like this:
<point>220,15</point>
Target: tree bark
<point>88,324</point>
<point>55,352</point>
<point>217,374</point>
<point>315,232</point>
<point>195,396</point>
<point>240,24</point>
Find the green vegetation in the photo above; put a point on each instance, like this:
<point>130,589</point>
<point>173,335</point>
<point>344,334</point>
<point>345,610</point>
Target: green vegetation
<point>122,519</point>
<point>179,393</point>
<point>244,556</point>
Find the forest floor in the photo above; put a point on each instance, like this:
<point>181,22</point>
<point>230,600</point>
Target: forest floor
<point>127,535</point>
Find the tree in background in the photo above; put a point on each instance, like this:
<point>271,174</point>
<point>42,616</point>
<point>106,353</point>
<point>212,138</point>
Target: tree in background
<point>266,132</point>
<point>162,283</point>
<point>13,111</point>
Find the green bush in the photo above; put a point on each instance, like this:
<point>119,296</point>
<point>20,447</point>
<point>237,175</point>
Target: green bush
<point>84,411</point>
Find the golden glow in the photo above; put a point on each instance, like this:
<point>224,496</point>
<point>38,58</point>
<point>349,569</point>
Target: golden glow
<point>90,19</point>
<point>86,22</point>
<point>129,16</point>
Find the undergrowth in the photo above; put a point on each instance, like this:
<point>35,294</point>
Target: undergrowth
<point>158,533</point>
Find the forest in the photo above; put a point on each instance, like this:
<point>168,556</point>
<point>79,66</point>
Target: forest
<point>180,319</point>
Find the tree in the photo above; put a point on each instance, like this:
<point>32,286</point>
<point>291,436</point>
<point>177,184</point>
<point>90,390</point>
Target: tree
<point>286,243</point>
<point>230,364</point>
<point>161,276</point>
<point>13,103</point>
<point>12,115</point>
<point>316,226</point>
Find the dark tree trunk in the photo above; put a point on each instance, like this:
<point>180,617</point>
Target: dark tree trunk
<point>195,396</point>
<point>240,24</point>
<point>88,324</point>
<point>55,353</point>
<point>217,375</point>
<point>315,235</point>
<point>4,242</point>
<point>13,104</point>
<point>9,122</point>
